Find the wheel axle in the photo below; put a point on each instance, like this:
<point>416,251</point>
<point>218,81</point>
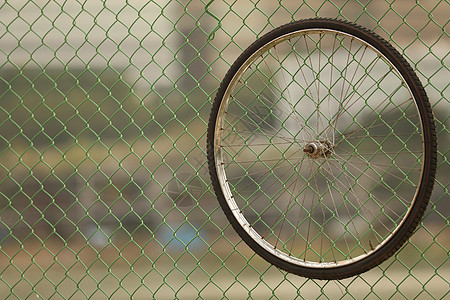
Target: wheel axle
<point>317,149</point>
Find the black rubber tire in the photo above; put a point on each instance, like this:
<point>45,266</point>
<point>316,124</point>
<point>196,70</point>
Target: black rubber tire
<point>429,160</point>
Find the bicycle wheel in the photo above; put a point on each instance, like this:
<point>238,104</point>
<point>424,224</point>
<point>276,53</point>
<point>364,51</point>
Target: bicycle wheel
<point>322,148</point>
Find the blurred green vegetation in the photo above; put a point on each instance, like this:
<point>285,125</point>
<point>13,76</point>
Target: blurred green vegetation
<point>54,106</point>
<point>79,149</point>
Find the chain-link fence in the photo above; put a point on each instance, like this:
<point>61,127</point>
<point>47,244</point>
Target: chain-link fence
<point>105,192</point>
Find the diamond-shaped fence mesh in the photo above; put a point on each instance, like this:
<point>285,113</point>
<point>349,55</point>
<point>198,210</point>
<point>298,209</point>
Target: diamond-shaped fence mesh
<point>104,187</point>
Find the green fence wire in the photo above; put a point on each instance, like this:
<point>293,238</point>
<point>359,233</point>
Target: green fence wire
<point>104,189</point>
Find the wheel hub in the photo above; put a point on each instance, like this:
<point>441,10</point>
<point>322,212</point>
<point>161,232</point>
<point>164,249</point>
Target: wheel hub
<point>322,148</point>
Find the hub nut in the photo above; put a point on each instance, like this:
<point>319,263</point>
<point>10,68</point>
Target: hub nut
<point>318,149</point>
